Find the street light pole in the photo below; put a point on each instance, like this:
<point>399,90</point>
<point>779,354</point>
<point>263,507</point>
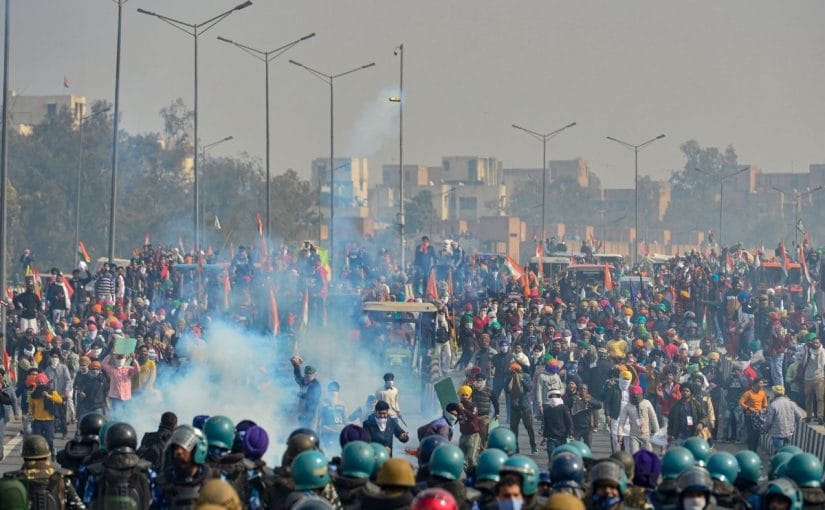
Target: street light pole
<point>195,30</point>
<point>401,219</point>
<point>330,79</point>
<point>266,57</point>
<point>4,173</point>
<point>79,171</point>
<point>722,178</point>
<point>636,149</point>
<point>206,148</point>
<point>543,137</point>
<point>115,124</point>
<point>797,204</point>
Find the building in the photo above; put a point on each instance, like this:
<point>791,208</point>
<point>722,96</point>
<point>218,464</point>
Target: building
<point>471,171</point>
<point>28,111</point>
<point>576,169</point>
<point>414,176</point>
<point>351,193</point>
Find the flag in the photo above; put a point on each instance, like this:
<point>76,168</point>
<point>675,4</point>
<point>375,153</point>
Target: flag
<point>66,82</point>
<point>643,248</point>
<point>540,257</point>
<point>515,270</point>
<point>305,310</point>
<point>323,255</point>
<point>273,310</point>
<point>432,288</point>
<point>49,331</point>
<point>804,264</point>
<point>729,263</point>
<point>34,273</point>
<point>260,224</point>
<point>608,280</point>
<point>450,282</point>
<point>807,241</point>
<point>180,245</point>
<point>264,254</point>
<point>146,240</point>
<point>81,250</point>
<point>217,223</point>
<point>231,250</point>
<point>784,258</point>
<point>67,286</point>
<point>227,288</point>
<point>525,282</point>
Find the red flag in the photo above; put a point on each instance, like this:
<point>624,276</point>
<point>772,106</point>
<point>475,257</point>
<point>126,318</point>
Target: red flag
<point>260,223</point>
<point>608,279</point>
<point>273,310</point>
<point>67,286</point>
<point>784,258</point>
<point>432,288</point>
<point>227,288</point>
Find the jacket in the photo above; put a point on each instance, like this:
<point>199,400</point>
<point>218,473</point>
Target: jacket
<point>545,383</point>
<point>37,405</point>
<point>677,423</point>
<point>782,417</point>
<point>385,436</point>
<point>558,422</point>
<point>643,420</point>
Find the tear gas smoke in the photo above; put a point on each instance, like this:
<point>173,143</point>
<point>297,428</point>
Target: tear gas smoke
<point>377,123</point>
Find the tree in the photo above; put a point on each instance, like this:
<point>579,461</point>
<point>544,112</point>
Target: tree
<point>419,212</point>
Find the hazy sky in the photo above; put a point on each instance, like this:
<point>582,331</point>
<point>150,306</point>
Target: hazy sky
<point>748,73</point>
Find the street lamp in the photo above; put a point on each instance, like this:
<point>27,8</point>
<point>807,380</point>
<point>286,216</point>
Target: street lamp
<point>4,170</point>
<point>115,125</point>
<point>798,200</point>
<point>195,30</point>
<point>605,223</point>
<point>543,137</point>
<point>399,51</point>
<point>722,178</point>
<point>636,149</point>
<point>79,170</point>
<point>208,147</point>
<point>330,79</point>
<point>266,57</point>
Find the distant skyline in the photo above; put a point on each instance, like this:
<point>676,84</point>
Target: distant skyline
<point>744,72</point>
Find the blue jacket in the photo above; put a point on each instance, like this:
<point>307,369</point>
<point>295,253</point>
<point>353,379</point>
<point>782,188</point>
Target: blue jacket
<point>384,437</point>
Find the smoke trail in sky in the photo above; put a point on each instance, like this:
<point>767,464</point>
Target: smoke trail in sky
<point>377,123</point>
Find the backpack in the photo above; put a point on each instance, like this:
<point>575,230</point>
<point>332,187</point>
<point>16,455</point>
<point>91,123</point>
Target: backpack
<point>122,489</point>
<point>151,449</point>
<point>44,493</point>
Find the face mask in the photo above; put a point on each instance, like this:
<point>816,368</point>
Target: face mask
<point>389,384</point>
<point>505,348</point>
<point>636,399</point>
<point>121,362</point>
<point>54,362</point>
<point>623,384</point>
<point>567,338</point>
<point>382,423</point>
<point>510,504</point>
<point>605,502</point>
<point>143,359</point>
<point>97,352</point>
<point>451,419</point>
<point>694,503</point>
<point>94,373</point>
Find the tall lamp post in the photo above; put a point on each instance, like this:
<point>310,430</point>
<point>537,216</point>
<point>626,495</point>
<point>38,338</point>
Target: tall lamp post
<point>330,80</point>
<point>722,179</point>
<point>210,146</point>
<point>636,149</point>
<point>4,170</point>
<point>78,183</point>
<point>399,51</point>
<point>266,57</point>
<point>797,202</point>
<point>115,125</point>
<point>543,137</point>
<point>195,30</point>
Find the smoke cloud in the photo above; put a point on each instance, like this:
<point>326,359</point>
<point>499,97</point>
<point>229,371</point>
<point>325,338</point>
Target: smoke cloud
<point>377,123</point>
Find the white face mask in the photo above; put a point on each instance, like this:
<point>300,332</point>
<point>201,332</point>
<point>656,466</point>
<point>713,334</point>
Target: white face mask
<point>97,352</point>
<point>505,348</point>
<point>54,362</point>
<point>389,384</point>
<point>94,373</point>
<point>567,338</point>
<point>121,362</point>
<point>83,369</point>
<point>382,423</point>
<point>694,503</point>
<point>623,384</point>
<point>511,504</point>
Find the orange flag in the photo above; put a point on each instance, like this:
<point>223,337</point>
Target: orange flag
<point>525,281</point>
<point>608,280</point>
<point>227,288</point>
<point>68,286</point>
<point>432,288</point>
<point>273,309</point>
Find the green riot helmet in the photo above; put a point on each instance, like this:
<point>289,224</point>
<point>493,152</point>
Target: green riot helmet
<point>805,470</point>
<point>609,471</point>
<point>447,461</point>
<point>777,460</point>
<point>357,459</point>
<point>89,427</point>
<point>568,448</point>
<point>35,447</point>
<point>220,432</point>
<point>793,450</point>
<point>503,439</point>
<point>427,446</point>
<point>102,434</point>
<point>309,471</point>
<point>724,467</point>
<point>783,488</point>
<point>307,432</point>
<point>585,451</point>
<point>699,448</point>
<point>750,466</point>
<point>489,463</point>
<point>527,469</point>
<point>626,461</point>
<point>295,445</point>
<point>380,454</point>
<point>676,460</point>
<point>13,495</point>
<point>190,439</point>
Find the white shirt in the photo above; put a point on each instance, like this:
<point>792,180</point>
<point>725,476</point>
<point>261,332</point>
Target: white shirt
<point>390,396</point>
